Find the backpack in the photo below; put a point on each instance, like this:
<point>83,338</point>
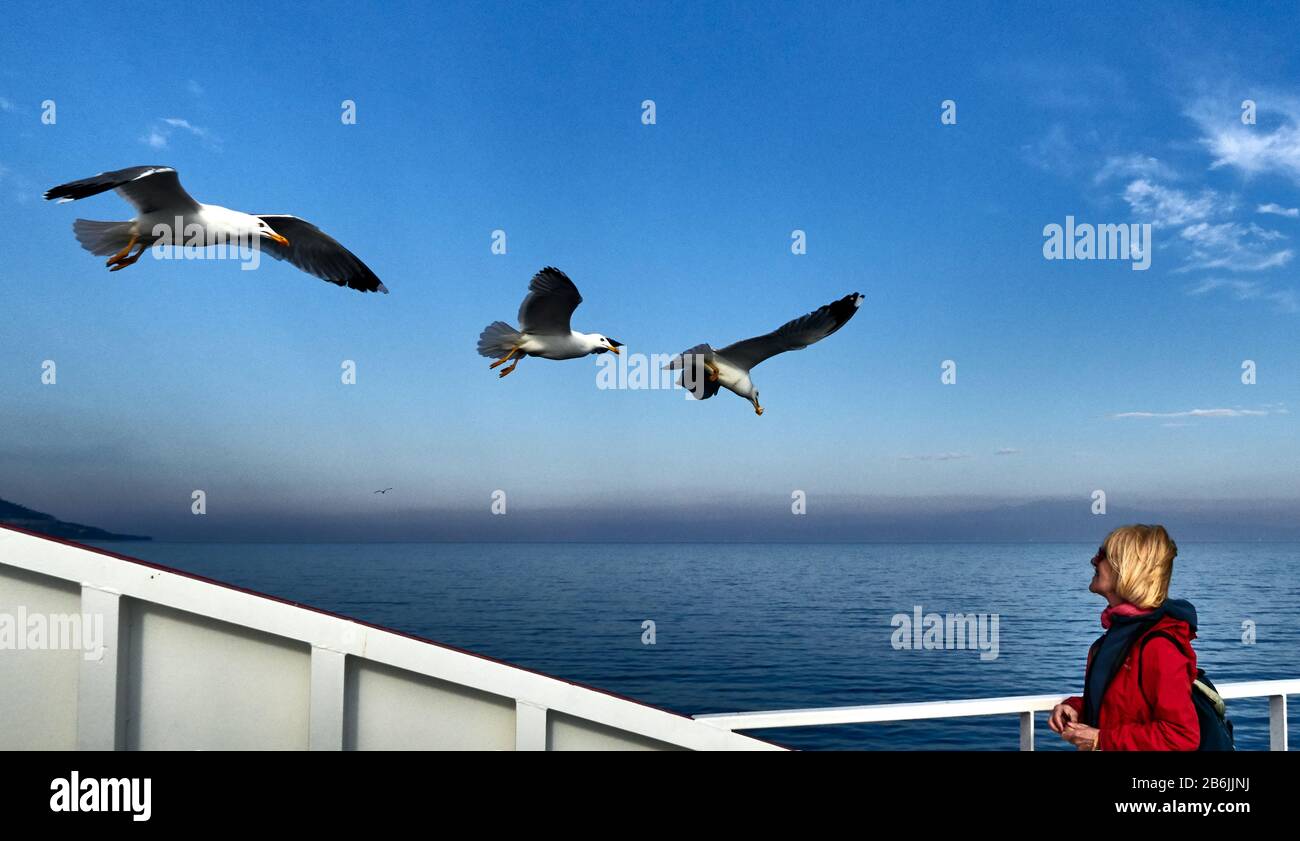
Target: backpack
<point>1211,712</point>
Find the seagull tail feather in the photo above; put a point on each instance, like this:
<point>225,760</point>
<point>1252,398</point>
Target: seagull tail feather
<point>102,238</point>
<point>498,339</point>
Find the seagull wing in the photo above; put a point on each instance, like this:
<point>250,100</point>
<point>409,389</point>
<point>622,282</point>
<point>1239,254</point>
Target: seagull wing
<point>550,303</point>
<point>695,378</point>
<point>794,335</point>
<point>319,254</point>
<point>688,357</point>
<point>148,188</point>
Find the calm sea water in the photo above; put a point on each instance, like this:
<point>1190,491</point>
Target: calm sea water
<point>755,627</point>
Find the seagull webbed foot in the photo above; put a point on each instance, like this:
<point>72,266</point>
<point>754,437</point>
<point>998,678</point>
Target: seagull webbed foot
<point>503,360</point>
<point>120,255</point>
<point>128,261</point>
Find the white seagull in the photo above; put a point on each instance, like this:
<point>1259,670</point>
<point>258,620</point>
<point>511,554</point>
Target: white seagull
<point>161,203</point>
<point>543,326</point>
<point>729,367</point>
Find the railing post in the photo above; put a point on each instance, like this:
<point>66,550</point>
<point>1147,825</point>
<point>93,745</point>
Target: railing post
<point>530,726</point>
<point>1277,722</point>
<point>1027,730</point>
<point>328,682</point>
<point>100,720</point>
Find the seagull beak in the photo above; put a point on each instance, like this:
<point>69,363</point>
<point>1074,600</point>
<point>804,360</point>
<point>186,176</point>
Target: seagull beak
<point>615,345</point>
<point>273,235</point>
<point>615,349</point>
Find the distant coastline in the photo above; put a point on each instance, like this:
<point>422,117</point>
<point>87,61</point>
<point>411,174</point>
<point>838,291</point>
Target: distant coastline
<point>12,514</point>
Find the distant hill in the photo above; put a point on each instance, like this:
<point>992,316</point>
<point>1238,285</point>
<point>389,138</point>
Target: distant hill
<point>12,514</point>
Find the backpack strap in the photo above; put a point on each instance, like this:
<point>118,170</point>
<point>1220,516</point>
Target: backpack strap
<point>1198,685</point>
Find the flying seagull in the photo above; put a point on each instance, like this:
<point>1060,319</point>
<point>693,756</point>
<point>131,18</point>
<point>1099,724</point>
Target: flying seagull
<point>729,367</point>
<point>543,326</point>
<point>384,491</point>
<point>160,201</point>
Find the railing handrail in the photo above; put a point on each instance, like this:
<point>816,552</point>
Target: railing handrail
<point>1024,705</point>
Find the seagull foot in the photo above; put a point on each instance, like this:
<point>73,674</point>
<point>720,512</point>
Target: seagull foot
<point>128,261</point>
<point>758,410</point>
<point>505,371</point>
<point>503,360</point>
<point>121,255</point>
<point>123,262</point>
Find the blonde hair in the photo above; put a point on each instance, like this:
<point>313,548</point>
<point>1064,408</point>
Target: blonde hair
<point>1143,560</point>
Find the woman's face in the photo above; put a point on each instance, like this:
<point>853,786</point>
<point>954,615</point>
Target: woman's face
<point>1103,577</point>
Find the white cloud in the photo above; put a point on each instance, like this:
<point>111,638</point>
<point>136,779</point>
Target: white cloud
<point>160,133</point>
<point>1133,166</point>
<point>1278,210</point>
<point>1252,149</point>
<point>1167,206</point>
<point>1199,413</point>
<point>1235,247</point>
<point>1285,300</point>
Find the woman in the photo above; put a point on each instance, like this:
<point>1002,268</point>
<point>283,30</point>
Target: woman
<point>1147,704</point>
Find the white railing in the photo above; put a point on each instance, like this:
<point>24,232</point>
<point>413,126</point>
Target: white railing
<point>185,663</point>
<point>1023,705</point>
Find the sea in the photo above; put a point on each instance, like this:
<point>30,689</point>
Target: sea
<point>712,628</point>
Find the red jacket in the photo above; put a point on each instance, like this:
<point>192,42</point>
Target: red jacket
<point>1160,715</point>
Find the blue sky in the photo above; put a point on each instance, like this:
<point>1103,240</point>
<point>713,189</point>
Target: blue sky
<point>770,118</point>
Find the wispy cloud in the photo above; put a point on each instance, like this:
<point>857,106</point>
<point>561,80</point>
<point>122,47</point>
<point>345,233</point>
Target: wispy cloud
<point>1167,207</point>
<point>1134,166</point>
<point>1203,413</point>
<point>1058,150</point>
<point>161,131</point>
<point>194,88</point>
<point>1278,210</point>
<point>1286,300</point>
<point>1251,149</point>
<point>1235,247</point>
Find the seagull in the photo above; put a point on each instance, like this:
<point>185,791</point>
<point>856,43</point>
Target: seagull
<point>165,211</point>
<point>384,491</point>
<point>729,367</point>
<point>543,326</point>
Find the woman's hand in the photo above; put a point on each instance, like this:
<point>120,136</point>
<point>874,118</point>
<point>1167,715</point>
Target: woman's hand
<point>1082,736</point>
<point>1062,715</point>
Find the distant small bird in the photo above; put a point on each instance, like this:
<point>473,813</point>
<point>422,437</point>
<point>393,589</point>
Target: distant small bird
<point>384,491</point>
<point>729,367</point>
<point>160,200</point>
<point>543,326</point>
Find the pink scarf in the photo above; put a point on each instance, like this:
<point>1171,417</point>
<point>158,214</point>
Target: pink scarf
<point>1121,609</point>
